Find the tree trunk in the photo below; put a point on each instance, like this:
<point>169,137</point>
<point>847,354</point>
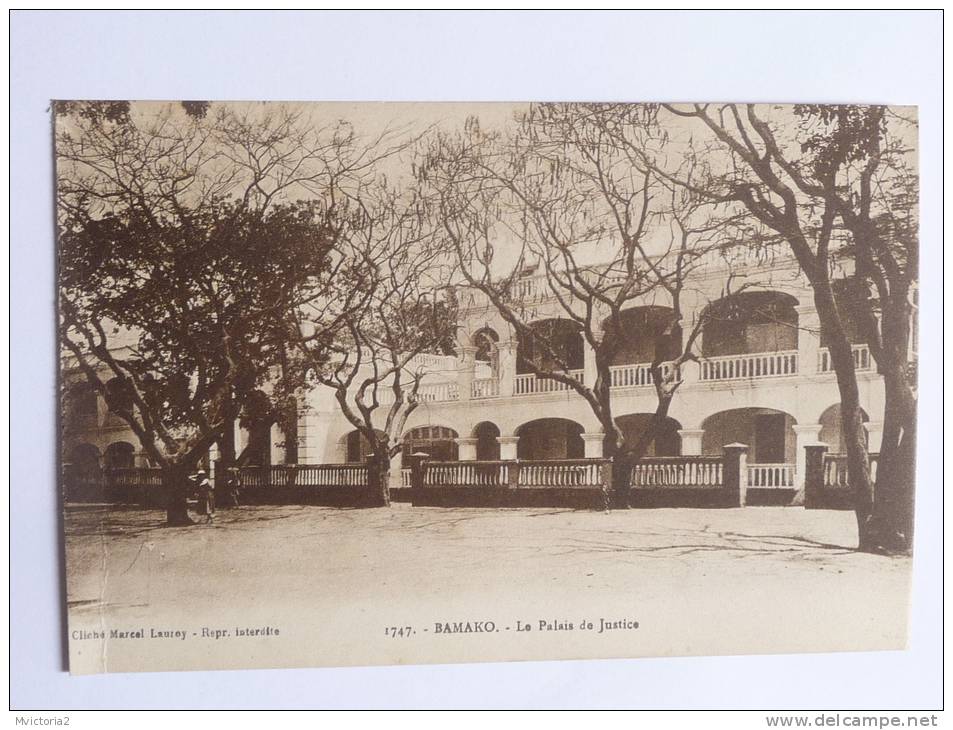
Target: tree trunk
<point>175,484</point>
<point>624,459</point>
<point>891,523</point>
<point>852,426</point>
<point>378,478</point>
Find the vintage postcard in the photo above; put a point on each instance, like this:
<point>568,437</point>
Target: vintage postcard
<point>388,383</point>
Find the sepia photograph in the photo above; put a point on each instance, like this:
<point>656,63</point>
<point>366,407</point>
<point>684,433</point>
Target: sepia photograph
<point>379,383</point>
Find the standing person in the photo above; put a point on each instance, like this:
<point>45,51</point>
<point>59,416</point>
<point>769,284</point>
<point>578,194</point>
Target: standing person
<point>234,485</point>
<point>206,496</point>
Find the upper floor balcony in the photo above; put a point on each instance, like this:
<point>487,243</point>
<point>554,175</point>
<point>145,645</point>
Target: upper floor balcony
<point>753,337</point>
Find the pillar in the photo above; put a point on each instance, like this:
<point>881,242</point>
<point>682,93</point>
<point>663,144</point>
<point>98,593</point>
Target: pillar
<point>806,434</point>
<point>507,368</point>
<point>808,339</point>
<point>467,448</point>
<point>593,443</point>
<point>735,473</point>
<point>691,441</point>
<point>275,451</point>
<point>814,475</point>
<point>875,435</point>
<point>507,447</point>
<point>466,371</point>
<point>589,364</point>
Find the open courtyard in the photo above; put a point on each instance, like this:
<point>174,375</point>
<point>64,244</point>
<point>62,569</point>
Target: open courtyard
<point>319,586</point>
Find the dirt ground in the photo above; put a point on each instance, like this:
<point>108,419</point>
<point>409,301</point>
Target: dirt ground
<point>314,586</point>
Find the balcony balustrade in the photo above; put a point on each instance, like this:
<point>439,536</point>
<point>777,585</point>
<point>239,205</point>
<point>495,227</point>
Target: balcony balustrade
<point>528,384</point>
<point>485,388</point>
<point>750,366</point>
<point>635,375</point>
<point>862,359</point>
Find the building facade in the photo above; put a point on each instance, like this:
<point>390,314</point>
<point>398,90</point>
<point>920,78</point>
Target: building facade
<point>763,378</point>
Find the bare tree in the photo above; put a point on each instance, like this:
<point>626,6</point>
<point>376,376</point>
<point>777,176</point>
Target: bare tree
<point>569,192</point>
<point>391,305</point>
<point>837,185</point>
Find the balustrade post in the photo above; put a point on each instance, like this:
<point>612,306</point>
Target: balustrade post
<point>805,434</point>
<point>736,473</point>
<point>514,474</point>
<point>417,469</point>
<point>813,474</point>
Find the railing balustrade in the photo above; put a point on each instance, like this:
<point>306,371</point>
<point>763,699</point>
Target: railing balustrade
<point>678,471</point>
<point>527,384</point>
<point>862,359</point>
<point>305,475</point>
<point>405,478</point>
<point>562,473</point>
<point>835,470</point>
<point>750,366</point>
<point>467,473</point>
<point>485,388</point>
<point>635,375</point>
<point>134,477</point>
<point>769,476</point>
<point>426,393</point>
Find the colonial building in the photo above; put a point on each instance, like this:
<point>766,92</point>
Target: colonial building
<point>763,378</point>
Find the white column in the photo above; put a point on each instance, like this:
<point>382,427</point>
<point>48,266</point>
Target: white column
<point>507,446</point>
<point>465,374</point>
<point>691,441</point>
<point>241,439</point>
<point>593,443</point>
<point>589,364</point>
<point>806,434</point>
<point>875,434</point>
<point>507,368</point>
<point>466,447</point>
<point>808,338</point>
<point>276,452</point>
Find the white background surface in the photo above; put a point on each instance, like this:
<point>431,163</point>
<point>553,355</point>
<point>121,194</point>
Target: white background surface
<point>886,57</point>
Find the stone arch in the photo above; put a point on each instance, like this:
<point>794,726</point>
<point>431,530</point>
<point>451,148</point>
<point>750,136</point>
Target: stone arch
<point>119,455</point>
<point>546,439</point>
<point>356,447</point>
<point>750,322</point>
<point>438,442</point>
<point>831,433</point>
<point>486,434</point>
<point>84,456</point>
<point>82,406</point>
<point>552,341</point>
<point>643,333</point>
<point>487,355</point>
<point>768,433</point>
<point>666,443</point>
